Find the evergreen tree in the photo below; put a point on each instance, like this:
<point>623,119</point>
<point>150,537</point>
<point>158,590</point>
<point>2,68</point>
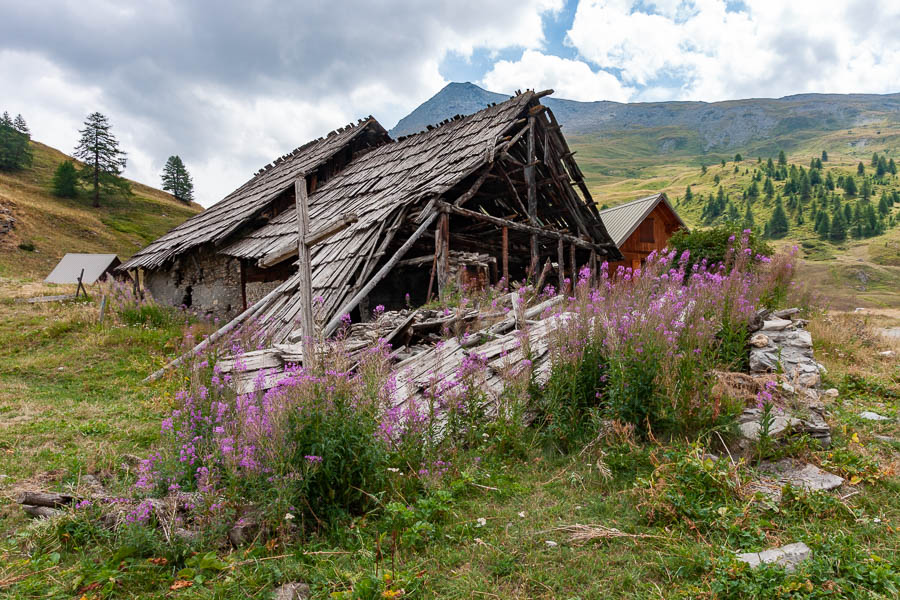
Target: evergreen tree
<point>738,157</point>
<point>829,181</point>
<point>874,159</point>
<point>805,188</point>
<point>177,180</point>
<point>837,232</point>
<point>703,169</point>
<point>892,167</point>
<point>65,180</point>
<point>688,194</point>
<point>824,156</point>
<point>770,168</point>
<point>849,186</point>
<point>860,169</point>
<point>748,218</point>
<point>723,162</point>
<point>824,226</point>
<point>881,168</point>
<point>99,150</point>
<point>733,215</point>
<point>769,189</point>
<point>15,150</point>
<point>782,159</point>
<point>865,190</point>
<point>884,205</point>
<point>778,225</point>
<point>717,179</point>
<point>848,214</point>
<point>753,191</point>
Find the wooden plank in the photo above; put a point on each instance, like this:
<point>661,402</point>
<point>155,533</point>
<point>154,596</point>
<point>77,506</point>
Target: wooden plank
<point>561,265</point>
<point>532,195</point>
<point>539,231</point>
<point>505,257</point>
<point>388,266</point>
<point>442,252</point>
<point>304,273</point>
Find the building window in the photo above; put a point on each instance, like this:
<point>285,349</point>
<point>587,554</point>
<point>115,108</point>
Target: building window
<point>646,232</point>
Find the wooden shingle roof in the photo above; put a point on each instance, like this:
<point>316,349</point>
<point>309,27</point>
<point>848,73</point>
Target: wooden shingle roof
<point>382,187</point>
<point>218,222</point>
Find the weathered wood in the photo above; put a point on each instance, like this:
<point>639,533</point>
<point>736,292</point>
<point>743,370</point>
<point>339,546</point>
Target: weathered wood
<point>41,512</point>
<point>42,299</point>
<point>80,287</point>
<point>505,256</point>
<point>532,195</point>
<point>539,231</point>
<point>561,265</point>
<point>316,237</point>
<point>102,308</point>
<point>48,499</point>
<point>543,276</point>
<point>304,275</point>
<point>442,252</point>
<point>384,270</point>
<point>573,267</point>
<point>243,269</point>
<point>251,361</point>
<point>470,193</point>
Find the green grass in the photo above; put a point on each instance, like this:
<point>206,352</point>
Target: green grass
<point>55,226</point>
<point>56,425</point>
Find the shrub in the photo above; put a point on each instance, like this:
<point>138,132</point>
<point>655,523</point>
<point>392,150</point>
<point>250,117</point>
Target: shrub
<point>27,246</point>
<point>712,245</point>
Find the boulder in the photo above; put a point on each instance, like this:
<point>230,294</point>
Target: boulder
<point>831,393</point>
<point>802,475</point>
<point>788,556</point>
<point>759,340</point>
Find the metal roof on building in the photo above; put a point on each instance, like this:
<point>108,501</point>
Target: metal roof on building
<point>622,220</point>
<point>69,268</point>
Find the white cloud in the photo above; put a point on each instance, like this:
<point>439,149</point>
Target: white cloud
<point>765,49</point>
<point>230,89</point>
<point>571,79</point>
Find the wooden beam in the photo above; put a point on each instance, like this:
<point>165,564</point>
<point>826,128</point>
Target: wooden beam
<point>538,231</point>
<point>532,195</point>
<point>561,264</point>
<point>442,252</point>
<point>505,256</point>
<point>243,285</point>
<point>470,193</point>
<point>316,237</point>
<point>304,275</point>
<point>377,277</point>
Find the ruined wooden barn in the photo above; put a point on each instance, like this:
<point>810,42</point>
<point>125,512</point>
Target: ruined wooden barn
<point>641,227</point>
<point>186,266</point>
<point>470,201</point>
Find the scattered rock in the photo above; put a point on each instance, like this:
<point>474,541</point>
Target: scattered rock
<point>886,353</point>
<point>887,438</point>
<point>831,393</point>
<point>245,529</point>
<point>551,543</point>
<point>868,415</point>
<point>802,475</point>
<point>788,556</point>
<point>751,427</point>
<point>776,324</point>
<point>293,591</point>
<point>759,340</point>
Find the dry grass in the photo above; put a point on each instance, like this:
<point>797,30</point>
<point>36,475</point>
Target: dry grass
<point>851,343</point>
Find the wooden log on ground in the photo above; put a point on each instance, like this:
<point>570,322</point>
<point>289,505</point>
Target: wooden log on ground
<point>47,499</point>
<point>41,512</point>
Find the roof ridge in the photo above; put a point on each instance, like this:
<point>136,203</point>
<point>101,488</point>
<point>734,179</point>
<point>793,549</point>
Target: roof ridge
<point>458,117</point>
<point>632,202</point>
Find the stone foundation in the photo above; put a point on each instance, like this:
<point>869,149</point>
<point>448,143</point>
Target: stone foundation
<point>203,281</point>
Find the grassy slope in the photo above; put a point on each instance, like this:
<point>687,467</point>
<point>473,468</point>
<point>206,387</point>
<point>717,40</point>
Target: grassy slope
<point>628,165</point>
<point>59,225</point>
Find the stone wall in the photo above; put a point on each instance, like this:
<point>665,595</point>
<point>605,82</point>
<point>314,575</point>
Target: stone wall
<point>205,282</point>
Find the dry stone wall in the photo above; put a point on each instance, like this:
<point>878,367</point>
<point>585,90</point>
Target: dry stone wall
<point>202,280</point>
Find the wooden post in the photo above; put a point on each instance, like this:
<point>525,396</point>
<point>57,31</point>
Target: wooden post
<point>573,266</point>
<point>532,195</point>
<point>442,251</point>
<point>80,287</point>
<point>561,263</point>
<point>594,278</point>
<point>102,307</point>
<point>304,272</point>
<point>505,257</point>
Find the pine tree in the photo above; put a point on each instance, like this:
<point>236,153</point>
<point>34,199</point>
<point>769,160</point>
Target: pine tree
<point>688,194</point>
<point>884,205</point>
<point>881,168</point>
<point>703,169</point>
<point>769,189</point>
<point>177,180</point>
<point>738,157</point>
<point>829,181</point>
<point>15,150</point>
<point>824,156</point>
<point>865,190</point>
<point>99,150</point>
<point>782,159</point>
<point>799,220</point>
<point>824,226</point>
<point>874,159</point>
<point>892,167</point>
<point>778,225</point>
<point>748,218</point>
<point>850,186</point>
<point>65,180</point>
<point>860,169</point>
<point>838,230</point>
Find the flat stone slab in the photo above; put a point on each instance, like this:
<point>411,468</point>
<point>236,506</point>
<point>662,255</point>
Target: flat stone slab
<point>776,324</point>
<point>788,556</point>
<point>802,475</point>
<point>868,415</point>
<point>293,591</point>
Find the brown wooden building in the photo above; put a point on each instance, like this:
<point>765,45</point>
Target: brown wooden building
<point>640,227</point>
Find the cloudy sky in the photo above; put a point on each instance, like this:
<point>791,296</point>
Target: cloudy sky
<point>230,84</point>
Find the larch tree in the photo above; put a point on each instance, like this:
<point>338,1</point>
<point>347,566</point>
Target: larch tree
<point>177,180</point>
<point>99,150</point>
<point>15,151</point>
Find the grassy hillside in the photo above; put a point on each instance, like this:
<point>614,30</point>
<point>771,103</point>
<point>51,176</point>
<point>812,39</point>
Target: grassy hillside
<point>622,166</point>
<point>55,226</point>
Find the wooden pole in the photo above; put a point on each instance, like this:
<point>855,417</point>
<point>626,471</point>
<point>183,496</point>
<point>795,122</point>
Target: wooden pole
<point>243,285</point>
<point>304,273</point>
<point>532,195</point>
<point>441,250</point>
<point>505,257</point>
<point>561,263</point>
<point>573,266</point>
<point>377,277</point>
<point>80,287</point>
